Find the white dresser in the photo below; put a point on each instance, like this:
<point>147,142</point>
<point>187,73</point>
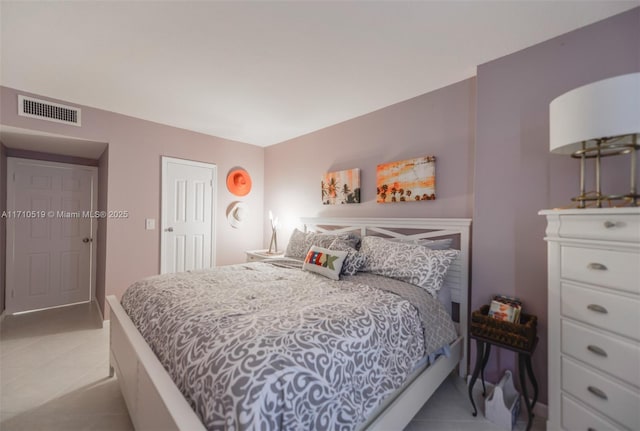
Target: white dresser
<point>594,319</point>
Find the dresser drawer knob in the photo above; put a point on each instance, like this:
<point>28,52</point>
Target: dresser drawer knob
<point>597,392</point>
<point>597,308</point>
<point>597,350</point>
<point>610,224</point>
<point>597,266</point>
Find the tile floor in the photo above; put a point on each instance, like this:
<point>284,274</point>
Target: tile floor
<point>54,376</point>
<point>54,371</point>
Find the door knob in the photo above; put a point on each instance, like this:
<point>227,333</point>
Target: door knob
<point>169,229</point>
<point>86,240</point>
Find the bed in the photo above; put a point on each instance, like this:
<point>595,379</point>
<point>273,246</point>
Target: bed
<point>147,378</point>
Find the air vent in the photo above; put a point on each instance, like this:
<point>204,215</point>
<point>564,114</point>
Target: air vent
<point>44,110</point>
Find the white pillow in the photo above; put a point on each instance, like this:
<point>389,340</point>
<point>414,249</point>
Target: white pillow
<point>324,261</point>
<point>410,263</point>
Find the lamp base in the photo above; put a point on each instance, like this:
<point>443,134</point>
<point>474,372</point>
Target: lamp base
<point>631,198</point>
<point>273,245</point>
<point>605,147</point>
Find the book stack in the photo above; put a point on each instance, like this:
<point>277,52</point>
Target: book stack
<point>505,308</point>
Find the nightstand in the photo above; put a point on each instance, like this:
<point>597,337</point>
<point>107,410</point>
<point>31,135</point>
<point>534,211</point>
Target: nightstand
<point>524,363</point>
<point>260,255</point>
<point>520,338</point>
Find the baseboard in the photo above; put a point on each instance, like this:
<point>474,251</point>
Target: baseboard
<point>100,315</point>
<point>539,410</point>
<point>103,321</point>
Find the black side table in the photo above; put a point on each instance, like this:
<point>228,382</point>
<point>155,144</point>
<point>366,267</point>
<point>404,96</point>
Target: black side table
<point>524,361</point>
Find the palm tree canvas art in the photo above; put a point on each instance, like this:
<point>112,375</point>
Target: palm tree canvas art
<point>406,180</point>
<point>341,187</point>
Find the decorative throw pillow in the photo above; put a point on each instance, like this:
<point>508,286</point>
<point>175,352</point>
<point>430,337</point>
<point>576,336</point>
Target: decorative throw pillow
<point>410,263</point>
<point>349,239</point>
<point>324,262</point>
<point>300,242</point>
<point>354,260</point>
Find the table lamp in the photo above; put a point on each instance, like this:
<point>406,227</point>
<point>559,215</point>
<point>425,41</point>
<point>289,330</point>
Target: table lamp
<point>273,245</point>
<point>598,120</point>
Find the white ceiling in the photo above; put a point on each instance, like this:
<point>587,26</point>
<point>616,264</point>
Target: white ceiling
<point>264,72</point>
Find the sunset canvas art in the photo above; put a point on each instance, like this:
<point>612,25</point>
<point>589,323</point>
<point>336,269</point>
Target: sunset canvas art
<point>341,187</point>
<point>406,180</point>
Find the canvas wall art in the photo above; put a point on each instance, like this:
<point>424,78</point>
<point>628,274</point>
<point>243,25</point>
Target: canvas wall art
<point>341,187</point>
<point>406,180</point>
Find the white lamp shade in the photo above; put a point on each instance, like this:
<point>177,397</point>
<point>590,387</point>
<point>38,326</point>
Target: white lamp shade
<point>606,108</point>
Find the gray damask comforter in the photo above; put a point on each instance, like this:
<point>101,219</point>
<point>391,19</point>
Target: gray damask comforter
<point>261,347</point>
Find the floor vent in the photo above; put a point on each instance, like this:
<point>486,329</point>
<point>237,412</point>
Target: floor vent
<point>45,110</point>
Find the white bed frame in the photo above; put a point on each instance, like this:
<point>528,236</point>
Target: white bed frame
<point>155,403</point>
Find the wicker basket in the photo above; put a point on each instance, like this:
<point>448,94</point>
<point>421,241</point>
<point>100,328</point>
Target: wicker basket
<point>519,335</point>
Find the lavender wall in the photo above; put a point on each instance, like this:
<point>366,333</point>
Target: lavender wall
<point>135,148</point>
<point>515,176</point>
<point>439,123</point>
<point>511,177</point>
<point>3,222</point>
<point>101,245</point>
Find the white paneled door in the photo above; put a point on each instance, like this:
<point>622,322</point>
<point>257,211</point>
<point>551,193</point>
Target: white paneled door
<point>50,231</point>
<point>188,198</point>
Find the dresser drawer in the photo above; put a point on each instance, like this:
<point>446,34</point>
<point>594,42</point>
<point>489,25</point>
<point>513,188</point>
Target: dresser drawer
<point>615,227</point>
<point>612,355</point>
<point>577,417</point>
<point>601,309</point>
<point>254,258</point>
<point>604,395</point>
<point>614,269</point>
<point>262,255</point>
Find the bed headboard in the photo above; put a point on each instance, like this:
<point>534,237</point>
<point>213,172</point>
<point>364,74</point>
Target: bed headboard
<point>457,279</point>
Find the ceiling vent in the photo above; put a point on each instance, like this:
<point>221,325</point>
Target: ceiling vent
<point>44,110</point>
